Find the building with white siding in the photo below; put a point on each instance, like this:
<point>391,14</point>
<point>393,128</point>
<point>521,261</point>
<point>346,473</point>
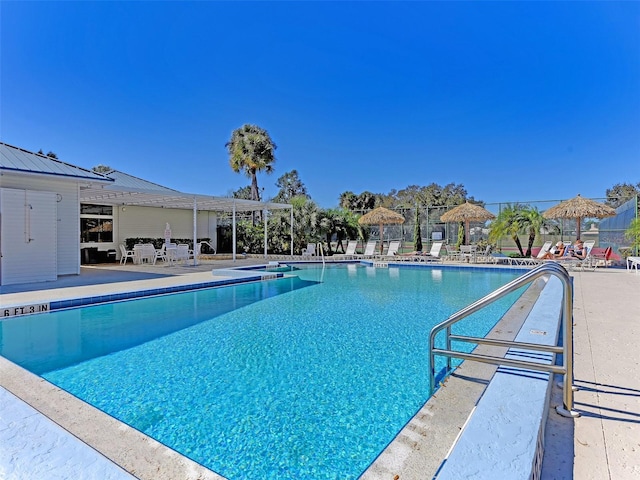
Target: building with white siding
<point>52,212</point>
<point>39,210</point>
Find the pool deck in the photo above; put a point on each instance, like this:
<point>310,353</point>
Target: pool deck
<point>604,443</point>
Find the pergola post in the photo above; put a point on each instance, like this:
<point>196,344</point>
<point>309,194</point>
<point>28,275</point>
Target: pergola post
<point>195,230</point>
<point>264,215</point>
<point>233,223</point>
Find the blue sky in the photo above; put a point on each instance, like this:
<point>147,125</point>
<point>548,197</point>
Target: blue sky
<point>517,101</point>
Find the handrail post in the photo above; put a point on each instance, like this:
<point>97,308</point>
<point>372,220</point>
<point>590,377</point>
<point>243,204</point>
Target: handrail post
<point>448,346</point>
<point>320,249</point>
<point>566,410</point>
<point>552,268</point>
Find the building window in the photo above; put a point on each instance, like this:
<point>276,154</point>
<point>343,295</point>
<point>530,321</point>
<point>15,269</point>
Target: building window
<point>96,223</point>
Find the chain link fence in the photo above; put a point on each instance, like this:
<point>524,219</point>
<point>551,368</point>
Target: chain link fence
<point>608,232</point>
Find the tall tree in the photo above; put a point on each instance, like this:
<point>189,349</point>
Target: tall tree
<point>290,186</point>
<point>621,193</point>
<point>102,168</point>
<point>358,203</point>
<point>251,150</point>
<point>50,154</point>
<point>243,192</point>
<point>432,195</point>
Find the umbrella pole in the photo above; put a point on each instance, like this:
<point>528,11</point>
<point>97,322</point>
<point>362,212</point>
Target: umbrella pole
<point>578,220</point>
<point>466,233</point>
<point>381,238</point>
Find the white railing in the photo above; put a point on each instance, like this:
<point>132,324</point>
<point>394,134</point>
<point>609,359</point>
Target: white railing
<point>566,369</point>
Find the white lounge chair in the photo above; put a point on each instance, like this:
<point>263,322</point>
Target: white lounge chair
<point>391,252</point>
<point>544,249</point>
<point>349,253</point>
<point>432,255</point>
<point>534,260</point>
<point>582,263</point>
<point>369,250</point>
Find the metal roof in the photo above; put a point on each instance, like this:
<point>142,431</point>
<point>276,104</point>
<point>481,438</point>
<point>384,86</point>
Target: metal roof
<point>129,182</point>
<point>119,188</point>
<point>20,161</point>
<point>114,195</point>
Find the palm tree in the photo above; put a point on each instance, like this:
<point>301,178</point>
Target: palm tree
<point>306,219</point>
<point>507,223</point>
<point>329,224</point>
<point>633,233</point>
<point>531,221</point>
<point>251,151</point>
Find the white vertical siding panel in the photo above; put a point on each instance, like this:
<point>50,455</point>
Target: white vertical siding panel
<point>28,236</point>
<point>68,236</point>
<point>68,229</point>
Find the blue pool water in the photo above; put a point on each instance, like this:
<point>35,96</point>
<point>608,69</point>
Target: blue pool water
<point>304,377</point>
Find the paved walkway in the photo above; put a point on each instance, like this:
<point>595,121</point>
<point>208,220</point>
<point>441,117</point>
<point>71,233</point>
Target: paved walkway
<point>604,443</point>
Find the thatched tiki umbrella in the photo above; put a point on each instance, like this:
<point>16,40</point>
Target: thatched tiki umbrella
<point>381,216</point>
<point>579,208</point>
<point>467,212</point>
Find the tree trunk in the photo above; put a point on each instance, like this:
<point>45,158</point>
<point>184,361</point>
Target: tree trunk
<point>255,195</point>
<point>518,244</point>
<point>532,238</point>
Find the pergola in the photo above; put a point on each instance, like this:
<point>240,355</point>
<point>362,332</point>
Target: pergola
<point>166,198</point>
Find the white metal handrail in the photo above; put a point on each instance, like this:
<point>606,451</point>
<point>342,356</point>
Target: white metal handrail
<point>551,268</point>
<point>320,249</point>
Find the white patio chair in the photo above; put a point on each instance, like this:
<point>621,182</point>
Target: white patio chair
<point>468,252</point>
<point>144,253</point>
<point>161,253</point>
<point>124,254</point>
<point>452,253</point>
<point>632,262</point>
<point>310,251</point>
<point>182,253</point>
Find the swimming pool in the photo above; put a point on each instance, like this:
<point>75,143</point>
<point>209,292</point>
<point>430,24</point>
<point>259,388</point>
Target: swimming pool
<point>312,381</point>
